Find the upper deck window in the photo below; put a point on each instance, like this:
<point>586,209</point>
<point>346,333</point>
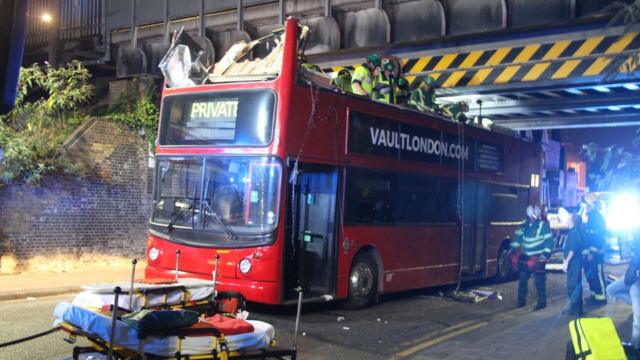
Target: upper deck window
<point>221,118</point>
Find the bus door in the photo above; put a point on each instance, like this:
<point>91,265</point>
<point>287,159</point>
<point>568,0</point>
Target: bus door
<point>475,229</point>
<point>313,219</point>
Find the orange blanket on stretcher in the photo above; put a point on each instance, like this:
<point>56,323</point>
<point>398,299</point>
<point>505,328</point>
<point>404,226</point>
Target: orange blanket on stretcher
<point>225,325</point>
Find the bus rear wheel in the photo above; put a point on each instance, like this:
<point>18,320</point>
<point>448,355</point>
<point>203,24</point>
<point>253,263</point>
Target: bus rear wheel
<point>505,269</point>
<point>363,282</point>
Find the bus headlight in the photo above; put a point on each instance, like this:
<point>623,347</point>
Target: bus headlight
<point>245,266</point>
<point>153,254</point>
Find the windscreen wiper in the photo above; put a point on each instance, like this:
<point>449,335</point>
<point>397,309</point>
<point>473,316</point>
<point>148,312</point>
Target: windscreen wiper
<point>175,217</point>
<point>218,219</point>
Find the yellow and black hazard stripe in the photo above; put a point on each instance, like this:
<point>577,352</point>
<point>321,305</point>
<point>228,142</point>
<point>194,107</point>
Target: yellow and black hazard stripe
<point>593,56</point>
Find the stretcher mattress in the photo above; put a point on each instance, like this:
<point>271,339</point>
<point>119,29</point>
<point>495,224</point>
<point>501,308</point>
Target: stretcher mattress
<point>99,325</point>
<point>97,295</point>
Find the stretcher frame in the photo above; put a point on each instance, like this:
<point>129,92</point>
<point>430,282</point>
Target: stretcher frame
<point>207,306</point>
<point>218,352</point>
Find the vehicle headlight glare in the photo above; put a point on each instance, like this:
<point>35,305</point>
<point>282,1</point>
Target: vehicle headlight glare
<point>245,266</point>
<point>622,213</point>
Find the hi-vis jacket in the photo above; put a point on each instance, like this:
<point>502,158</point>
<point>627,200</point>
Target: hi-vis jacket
<point>362,75</point>
<point>534,238</point>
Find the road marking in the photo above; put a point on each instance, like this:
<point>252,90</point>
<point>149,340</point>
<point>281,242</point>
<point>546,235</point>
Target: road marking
<point>457,330</point>
<point>440,339</point>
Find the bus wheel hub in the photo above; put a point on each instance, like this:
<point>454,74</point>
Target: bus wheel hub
<point>362,280</point>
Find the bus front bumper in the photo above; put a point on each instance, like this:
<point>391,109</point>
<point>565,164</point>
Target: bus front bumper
<point>255,291</point>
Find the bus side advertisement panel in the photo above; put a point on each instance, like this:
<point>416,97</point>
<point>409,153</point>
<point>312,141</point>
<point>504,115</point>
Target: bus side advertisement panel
<point>373,135</point>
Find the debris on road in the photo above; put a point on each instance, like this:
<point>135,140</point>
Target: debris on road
<point>489,294</point>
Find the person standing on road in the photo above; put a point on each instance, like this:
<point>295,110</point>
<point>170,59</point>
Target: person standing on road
<point>595,235</point>
<point>533,240</point>
<point>627,290</point>
<point>572,265</point>
<point>364,75</point>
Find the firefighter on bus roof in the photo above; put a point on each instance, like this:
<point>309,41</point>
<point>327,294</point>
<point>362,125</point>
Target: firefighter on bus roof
<point>400,83</point>
<point>383,89</point>
<point>456,111</point>
<point>342,80</point>
<point>364,75</point>
<point>532,244</point>
<point>424,97</point>
<point>595,228</point>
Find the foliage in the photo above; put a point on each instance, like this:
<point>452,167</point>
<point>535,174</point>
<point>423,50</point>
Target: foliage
<point>46,113</point>
<point>614,168</point>
<point>140,112</point>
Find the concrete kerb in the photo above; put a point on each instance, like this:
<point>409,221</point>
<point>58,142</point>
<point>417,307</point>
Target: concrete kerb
<point>37,293</point>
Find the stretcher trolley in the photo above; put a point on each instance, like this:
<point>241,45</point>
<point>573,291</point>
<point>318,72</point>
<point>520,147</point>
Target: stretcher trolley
<point>179,318</point>
<point>216,332</point>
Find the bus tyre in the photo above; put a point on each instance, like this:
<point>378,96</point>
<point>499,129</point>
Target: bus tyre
<point>505,269</point>
<point>363,282</point>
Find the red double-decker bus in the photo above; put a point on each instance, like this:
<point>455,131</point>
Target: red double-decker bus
<point>292,184</point>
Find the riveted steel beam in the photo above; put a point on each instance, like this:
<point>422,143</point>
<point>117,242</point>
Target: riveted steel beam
<point>596,120</point>
<point>534,105</point>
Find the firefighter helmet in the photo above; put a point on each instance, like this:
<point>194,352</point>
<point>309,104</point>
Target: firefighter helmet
<point>388,65</point>
<point>374,59</point>
<point>533,212</point>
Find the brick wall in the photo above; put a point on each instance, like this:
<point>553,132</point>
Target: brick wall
<point>72,221</point>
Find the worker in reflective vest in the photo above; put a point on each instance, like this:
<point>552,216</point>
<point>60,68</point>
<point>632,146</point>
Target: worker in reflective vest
<point>533,241</point>
<point>594,230</point>
<point>401,86</point>
<point>456,111</point>
<point>383,89</point>
<point>342,80</point>
<point>364,75</point>
<point>424,97</point>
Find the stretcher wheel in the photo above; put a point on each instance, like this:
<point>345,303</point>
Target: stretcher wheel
<point>363,282</point>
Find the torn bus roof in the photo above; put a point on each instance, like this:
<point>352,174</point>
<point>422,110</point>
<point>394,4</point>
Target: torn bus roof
<point>182,67</point>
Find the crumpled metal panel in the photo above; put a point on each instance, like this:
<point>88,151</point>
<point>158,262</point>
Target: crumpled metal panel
<point>324,35</point>
<point>263,49</point>
<point>368,27</point>
<point>223,40</point>
<point>476,16</point>
<point>416,20</point>
<point>537,12</point>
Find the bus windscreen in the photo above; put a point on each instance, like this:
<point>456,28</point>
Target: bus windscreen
<point>226,118</point>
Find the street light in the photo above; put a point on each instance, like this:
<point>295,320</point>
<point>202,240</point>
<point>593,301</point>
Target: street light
<point>46,18</point>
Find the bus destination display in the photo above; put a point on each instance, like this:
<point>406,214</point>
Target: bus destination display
<point>214,119</point>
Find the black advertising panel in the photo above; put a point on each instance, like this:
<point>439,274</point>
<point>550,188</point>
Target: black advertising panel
<point>459,150</point>
<point>490,157</point>
<point>373,135</point>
